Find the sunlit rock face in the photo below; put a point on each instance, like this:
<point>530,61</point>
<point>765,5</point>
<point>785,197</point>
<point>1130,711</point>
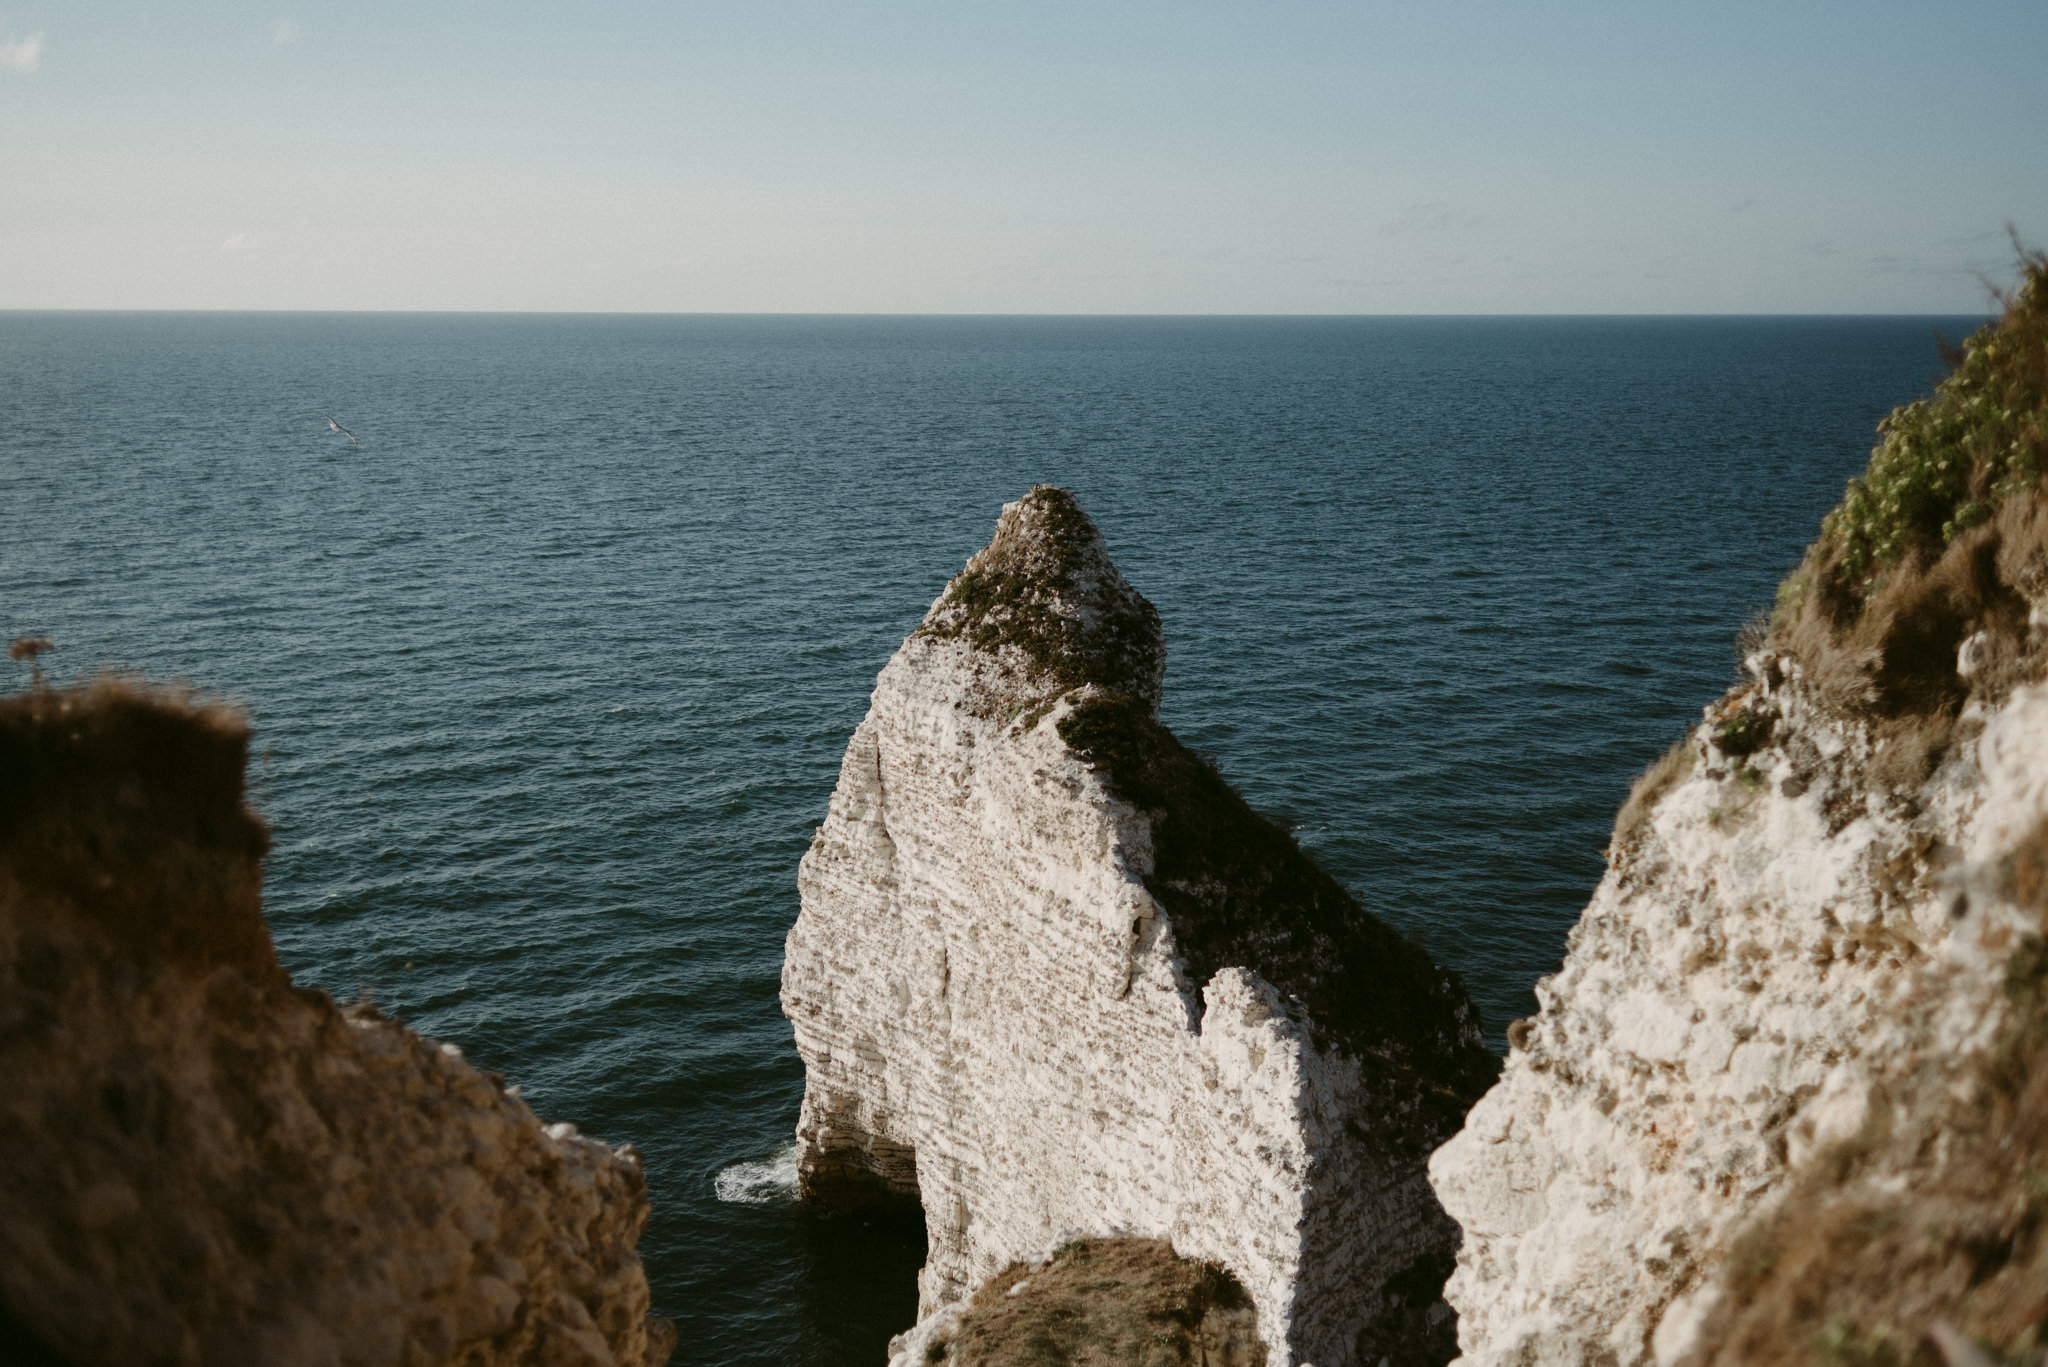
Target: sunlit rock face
<point>1051,975</point>
<point>1800,914</point>
<point>208,1165</point>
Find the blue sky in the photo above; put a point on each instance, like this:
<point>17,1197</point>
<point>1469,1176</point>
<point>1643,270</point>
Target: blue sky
<point>1449,157</point>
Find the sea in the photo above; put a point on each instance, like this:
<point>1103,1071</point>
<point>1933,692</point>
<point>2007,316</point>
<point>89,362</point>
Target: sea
<point>551,658</point>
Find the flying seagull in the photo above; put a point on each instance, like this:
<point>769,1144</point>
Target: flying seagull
<point>339,428</point>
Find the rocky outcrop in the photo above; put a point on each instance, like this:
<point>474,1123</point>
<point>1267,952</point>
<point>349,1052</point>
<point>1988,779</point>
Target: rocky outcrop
<point>1913,1225</point>
<point>1776,1104</point>
<point>208,1165</point>
<point>1051,974</point>
<point>1094,1303</point>
<point>1745,948</point>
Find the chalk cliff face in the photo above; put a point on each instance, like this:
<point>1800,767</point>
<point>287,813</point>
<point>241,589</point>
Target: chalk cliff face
<point>1051,975</point>
<point>1782,948</point>
<point>1747,943</point>
<point>1776,1104</point>
<point>208,1165</point>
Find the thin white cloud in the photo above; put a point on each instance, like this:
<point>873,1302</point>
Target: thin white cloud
<point>1891,263</point>
<point>1432,218</point>
<point>243,242</point>
<point>282,32</point>
<point>24,56</point>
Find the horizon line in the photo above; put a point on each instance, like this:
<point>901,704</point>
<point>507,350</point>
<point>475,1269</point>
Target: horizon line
<point>961,314</point>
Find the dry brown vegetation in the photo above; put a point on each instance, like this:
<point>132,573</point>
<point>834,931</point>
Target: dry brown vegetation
<point>1909,753</point>
<point>1108,1303</point>
<point>1892,655</point>
<point>1649,788</point>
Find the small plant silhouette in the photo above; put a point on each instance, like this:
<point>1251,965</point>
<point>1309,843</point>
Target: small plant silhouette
<point>27,648</point>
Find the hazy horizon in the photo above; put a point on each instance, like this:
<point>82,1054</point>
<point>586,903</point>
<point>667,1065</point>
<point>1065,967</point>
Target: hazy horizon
<point>1483,159</point>
<point>1987,312</point>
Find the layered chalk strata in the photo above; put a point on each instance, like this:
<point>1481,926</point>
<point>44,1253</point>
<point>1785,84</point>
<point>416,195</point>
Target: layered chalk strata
<point>1051,974</point>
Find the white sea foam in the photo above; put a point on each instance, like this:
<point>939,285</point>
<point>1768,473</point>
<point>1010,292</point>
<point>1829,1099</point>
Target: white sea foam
<point>759,1184</point>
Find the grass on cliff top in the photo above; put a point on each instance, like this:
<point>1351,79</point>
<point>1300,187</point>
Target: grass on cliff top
<point>1944,535</point>
<point>1108,1303</point>
<point>1946,463</point>
<point>1029,591</point>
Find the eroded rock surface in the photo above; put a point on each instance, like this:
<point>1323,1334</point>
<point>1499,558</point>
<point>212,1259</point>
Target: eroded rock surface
<point>1052,976</point>
<point>1913,1226</point>
<point>208,1165</point>
<point>1774,942</point>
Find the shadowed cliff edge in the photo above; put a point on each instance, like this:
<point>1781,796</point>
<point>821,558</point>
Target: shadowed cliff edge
<point>208,1165</point>
<point>1054,978</point>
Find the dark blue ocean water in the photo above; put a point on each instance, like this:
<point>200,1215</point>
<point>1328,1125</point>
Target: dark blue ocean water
<point>552,672</point>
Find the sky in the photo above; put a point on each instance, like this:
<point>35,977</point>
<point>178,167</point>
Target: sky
<point>1029,156</point>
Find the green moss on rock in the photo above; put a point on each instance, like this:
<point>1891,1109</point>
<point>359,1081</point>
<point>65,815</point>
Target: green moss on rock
<point>1044,601</point>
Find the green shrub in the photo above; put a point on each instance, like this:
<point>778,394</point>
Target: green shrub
<point>1945,534</point>
<point>1946,463</point>
<point>1743,733</point>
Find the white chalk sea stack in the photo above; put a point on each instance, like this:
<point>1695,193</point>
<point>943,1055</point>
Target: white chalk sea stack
<point>1051,976</point>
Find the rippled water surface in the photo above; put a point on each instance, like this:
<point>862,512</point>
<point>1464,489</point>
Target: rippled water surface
<point>552,672</point>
